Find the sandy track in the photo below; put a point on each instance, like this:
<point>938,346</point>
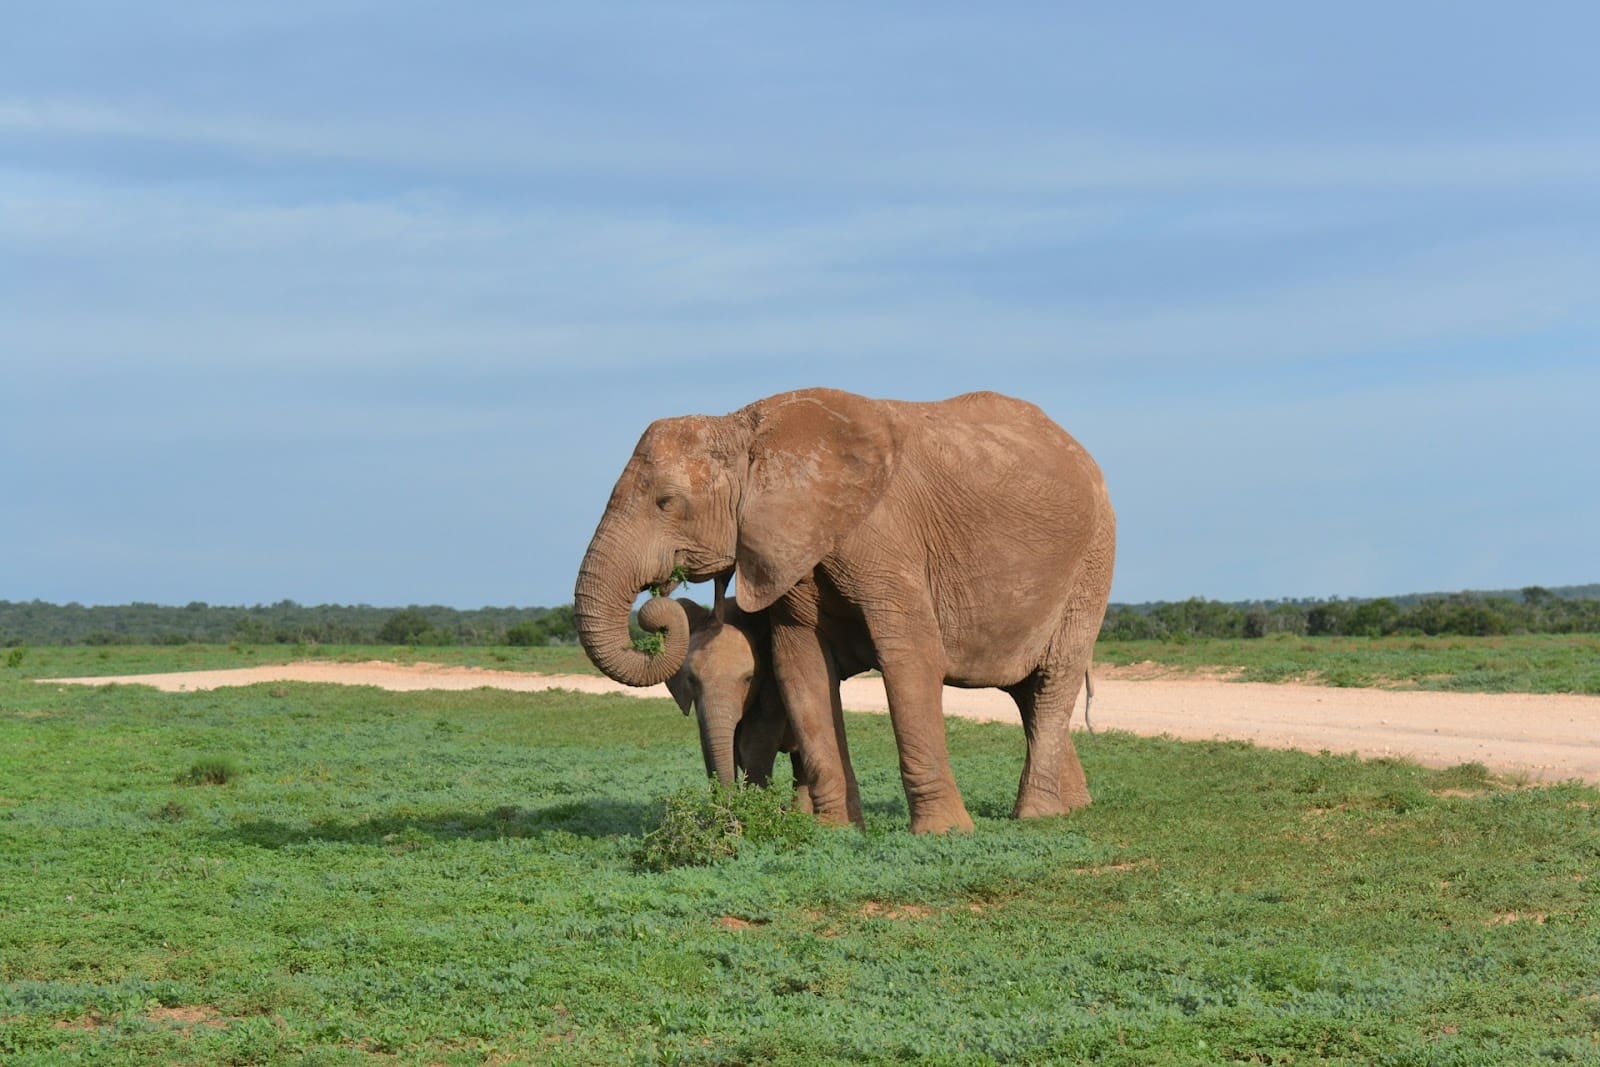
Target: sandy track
<point>1546,737</point>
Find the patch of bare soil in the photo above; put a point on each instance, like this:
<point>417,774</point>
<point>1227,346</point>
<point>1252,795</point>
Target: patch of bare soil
<point>1546,737</point>
<point>188,1016</point>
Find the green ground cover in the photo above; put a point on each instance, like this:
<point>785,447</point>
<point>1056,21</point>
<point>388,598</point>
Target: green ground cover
<point>294,873</point>
<point>75,661</point>
<point>1540,663</point>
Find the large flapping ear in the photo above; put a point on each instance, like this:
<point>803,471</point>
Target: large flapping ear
<point>819,461</point>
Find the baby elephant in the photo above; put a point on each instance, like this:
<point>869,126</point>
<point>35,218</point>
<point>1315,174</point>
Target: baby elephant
<point>727,679</point>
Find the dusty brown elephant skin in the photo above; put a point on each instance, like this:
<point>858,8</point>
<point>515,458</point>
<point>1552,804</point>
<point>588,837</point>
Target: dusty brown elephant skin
<point>968,541</point>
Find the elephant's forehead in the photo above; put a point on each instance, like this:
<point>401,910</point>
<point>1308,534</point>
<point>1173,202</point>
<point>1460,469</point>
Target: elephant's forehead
<point>723,648</point>
<point>688,446</point>
<point>687,432</point>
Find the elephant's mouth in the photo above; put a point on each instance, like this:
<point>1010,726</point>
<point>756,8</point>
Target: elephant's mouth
<point>686,571</point>
<point>693,569</point>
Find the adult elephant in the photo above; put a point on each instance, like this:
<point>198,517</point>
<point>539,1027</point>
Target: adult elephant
<point>968,541</point>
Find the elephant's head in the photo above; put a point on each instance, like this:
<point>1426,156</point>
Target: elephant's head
<point>726,680</point>
<point>765,493</point>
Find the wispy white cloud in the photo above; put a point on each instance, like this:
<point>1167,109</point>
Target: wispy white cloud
<point>998,160</point>
<point>723,303</point>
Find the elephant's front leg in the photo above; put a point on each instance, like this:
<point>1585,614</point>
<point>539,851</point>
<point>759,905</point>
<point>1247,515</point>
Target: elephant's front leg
<point>805,676</point>
<point>913,678</point>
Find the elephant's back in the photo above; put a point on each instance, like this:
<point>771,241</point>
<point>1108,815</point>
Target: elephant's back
<point>993,435</point>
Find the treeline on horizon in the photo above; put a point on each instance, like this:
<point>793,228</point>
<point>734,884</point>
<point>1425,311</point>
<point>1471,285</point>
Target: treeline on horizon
<point>1532,610</point>
<point>285,623</point>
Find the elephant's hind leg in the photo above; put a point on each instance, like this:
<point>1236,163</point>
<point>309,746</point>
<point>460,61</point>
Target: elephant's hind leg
<point>1052,777</point>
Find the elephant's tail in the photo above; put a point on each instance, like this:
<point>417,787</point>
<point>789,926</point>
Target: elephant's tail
<point>1088,700</point>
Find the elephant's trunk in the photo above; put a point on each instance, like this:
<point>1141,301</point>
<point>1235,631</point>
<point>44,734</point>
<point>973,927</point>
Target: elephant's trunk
<point>601,604</point>
<point>716,744</point>
<point>751,758</point>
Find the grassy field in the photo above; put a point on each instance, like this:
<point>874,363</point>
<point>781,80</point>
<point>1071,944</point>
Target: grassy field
<point>1545,663</point>
<point>73,661</point>
<point>454,878</point>
<point>1531,663</point>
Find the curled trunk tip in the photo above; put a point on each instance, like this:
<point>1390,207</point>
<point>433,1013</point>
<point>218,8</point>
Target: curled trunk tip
<point>604,633</point>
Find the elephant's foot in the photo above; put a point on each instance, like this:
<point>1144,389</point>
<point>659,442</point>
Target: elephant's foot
<point>833,818</point>
<point>842,808</point>
<point>1037,800</point>
<point>941,820</point>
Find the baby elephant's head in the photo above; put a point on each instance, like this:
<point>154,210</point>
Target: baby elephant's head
<point>726,679</point>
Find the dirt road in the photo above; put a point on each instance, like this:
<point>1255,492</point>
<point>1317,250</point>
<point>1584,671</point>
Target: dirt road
<point>1545,737</point>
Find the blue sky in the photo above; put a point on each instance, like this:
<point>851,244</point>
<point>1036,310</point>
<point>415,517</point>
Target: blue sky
<point>360,302</point>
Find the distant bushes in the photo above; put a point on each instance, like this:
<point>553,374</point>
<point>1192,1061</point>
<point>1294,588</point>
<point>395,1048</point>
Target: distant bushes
<point>284,623</point>
<point>1532,610</point>
<point>1535,610</point>
<point>556,626</point>
<point>411,627</point>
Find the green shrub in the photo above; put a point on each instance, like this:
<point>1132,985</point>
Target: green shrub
<point>410,626</point>
<point>1472,775</point>
<point>527,634</point>
<point>15,657</point>
<point>209,770</point>
<point>705,824</point>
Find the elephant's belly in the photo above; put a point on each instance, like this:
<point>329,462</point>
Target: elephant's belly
<point>995,652</point>
<point>996,669</point>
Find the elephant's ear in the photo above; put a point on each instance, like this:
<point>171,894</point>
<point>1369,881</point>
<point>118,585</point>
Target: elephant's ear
<point>819,461</point>
<point>696,613</point>
<point>679,687</point>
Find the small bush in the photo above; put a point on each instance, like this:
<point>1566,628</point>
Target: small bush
<point>209,770</point>
<point>410,626</point>
<point>701,826</point>
<point>1472,775</point>
<point>15,657</point>
<point>527,634</point>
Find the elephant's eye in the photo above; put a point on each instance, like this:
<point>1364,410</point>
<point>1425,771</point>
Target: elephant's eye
<point>671,504</point>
